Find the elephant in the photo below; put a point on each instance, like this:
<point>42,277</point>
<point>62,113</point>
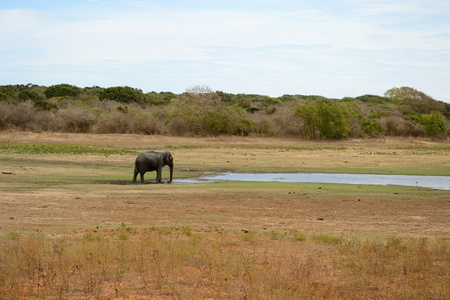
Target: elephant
<point>153,161</point>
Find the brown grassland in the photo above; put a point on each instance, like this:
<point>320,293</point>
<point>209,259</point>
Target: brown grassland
<point>72,226</point>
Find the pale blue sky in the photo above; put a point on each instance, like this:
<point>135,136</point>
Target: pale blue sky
<point>331,48</point>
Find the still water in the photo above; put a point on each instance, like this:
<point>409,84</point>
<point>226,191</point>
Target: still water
<point>434,182</point>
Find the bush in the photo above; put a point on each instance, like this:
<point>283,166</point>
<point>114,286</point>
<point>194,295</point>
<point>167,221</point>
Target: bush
<point>146,123</point>
<point>332,121</point>
<point>113,122</point>
<point>308,120</point>
<point>76,119</point>
<point>123,94</point>
<point>30,95</point>
<point>129,119</point>
<point>183,120</point>
<point>262,125</point>
<point>3,95</point>
<point>201,112</point>
<point>372,128</point>
<point>62,90</point>
<point>433,124</point>
<point>5,111</point>
<point>22,115</point>
<point>286,121</point>
<point>178,126</point>
<point>396,125</point>
<point>159,99</point>
<point>45,105</point>
<point>9,91</point>
<point>414,101</point>
<point>326,118</point>
<point>222,121</point>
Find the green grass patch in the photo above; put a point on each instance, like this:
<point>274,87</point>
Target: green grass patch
<point>29,174</point>
<point>442,170</point>
<point>11,148</point>
<point>290,189</point>
<point>326,238</point>
<point>423,149</point>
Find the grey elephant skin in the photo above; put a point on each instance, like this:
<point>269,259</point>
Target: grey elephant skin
<point>153,161</point>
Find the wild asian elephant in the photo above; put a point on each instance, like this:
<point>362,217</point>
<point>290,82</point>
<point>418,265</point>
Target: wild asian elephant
<point>153,161</point>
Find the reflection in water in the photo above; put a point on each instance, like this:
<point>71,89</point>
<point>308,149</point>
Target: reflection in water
<point>435,182</point>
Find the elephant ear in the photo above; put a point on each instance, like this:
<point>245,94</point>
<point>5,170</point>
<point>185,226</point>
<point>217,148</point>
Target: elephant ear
<point>168,155</point>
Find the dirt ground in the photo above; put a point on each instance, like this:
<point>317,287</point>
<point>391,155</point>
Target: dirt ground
<point>361,211</point>
<point>56,210</point>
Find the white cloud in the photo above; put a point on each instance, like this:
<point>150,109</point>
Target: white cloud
<point>16,21</point>
<point>275,51</point>
<point>391,8</point>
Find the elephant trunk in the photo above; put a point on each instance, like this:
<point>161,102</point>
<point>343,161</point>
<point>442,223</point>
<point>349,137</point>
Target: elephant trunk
<point>171,173</point>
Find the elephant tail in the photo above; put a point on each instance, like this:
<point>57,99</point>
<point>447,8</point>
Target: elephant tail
<point>136,171</point>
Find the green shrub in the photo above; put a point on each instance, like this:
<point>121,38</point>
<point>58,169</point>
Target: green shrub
<point>30,95</point>
<point>372,128</point>
<point>221,121</point>
<point>62,90</point>
<point>326,118</point>
<point>8,92</point>
<point>308,115</point>
<point>159,99</point>
<point>332,120</point>
<point>45,105</point>
<point>434,124</point>
<point>123,94</point>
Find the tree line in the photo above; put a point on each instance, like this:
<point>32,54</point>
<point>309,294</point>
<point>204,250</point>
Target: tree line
<point>200,111</point>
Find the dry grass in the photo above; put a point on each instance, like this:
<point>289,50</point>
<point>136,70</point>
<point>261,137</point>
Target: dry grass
<point>178,263</point>
<point>70,228</point>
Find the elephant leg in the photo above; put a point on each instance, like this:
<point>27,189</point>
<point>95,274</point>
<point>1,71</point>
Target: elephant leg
<point>158,175</point>
<point>142,176</point>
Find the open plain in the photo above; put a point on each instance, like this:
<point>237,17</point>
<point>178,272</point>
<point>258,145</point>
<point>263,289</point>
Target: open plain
<point>73,226</point>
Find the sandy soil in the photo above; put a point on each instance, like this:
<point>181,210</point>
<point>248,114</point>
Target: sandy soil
<point>64,210</point>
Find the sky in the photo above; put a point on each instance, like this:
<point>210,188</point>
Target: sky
<point>332,48</point>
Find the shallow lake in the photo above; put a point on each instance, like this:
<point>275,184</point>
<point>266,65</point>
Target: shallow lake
<point>434,182</point>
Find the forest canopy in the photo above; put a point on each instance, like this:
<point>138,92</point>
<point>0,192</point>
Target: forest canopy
<point>200,111</point>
